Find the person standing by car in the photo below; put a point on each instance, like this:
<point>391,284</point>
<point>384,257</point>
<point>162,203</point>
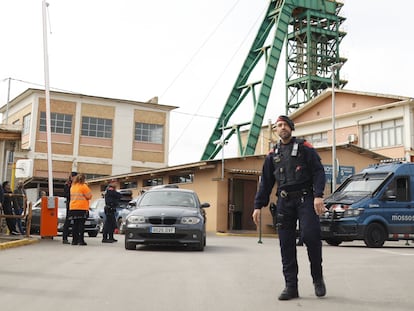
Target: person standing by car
<point>19,201</point>
<point>112,197</point>
<point>1,205</point>
<point>297,169</point>
<point>7,204</point>
<point>66,190</point>
<point>80,195</point>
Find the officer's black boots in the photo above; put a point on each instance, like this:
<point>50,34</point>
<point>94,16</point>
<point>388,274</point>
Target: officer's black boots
<point>289,293</point>
<point>320,288</point>
<point>292,292</point>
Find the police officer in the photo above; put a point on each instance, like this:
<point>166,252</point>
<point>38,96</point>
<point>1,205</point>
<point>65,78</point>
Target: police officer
<point>296,168</point>
<point>112,197</point>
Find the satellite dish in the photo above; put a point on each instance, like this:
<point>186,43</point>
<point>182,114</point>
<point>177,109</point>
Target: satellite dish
<point>24,168</point>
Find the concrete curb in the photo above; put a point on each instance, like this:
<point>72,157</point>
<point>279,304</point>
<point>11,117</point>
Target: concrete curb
<point>16,243</point>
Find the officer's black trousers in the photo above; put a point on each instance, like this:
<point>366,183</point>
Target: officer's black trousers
<point>78,230</point>
<point>109,227</point>
<point>293,209</point>
<point>66,225</point>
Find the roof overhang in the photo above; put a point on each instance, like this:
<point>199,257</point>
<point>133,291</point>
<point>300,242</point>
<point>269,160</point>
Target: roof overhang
<point>10,132</point>
<point>355,149</point>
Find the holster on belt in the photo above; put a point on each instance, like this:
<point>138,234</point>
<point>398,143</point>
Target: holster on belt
<point>273,211</point>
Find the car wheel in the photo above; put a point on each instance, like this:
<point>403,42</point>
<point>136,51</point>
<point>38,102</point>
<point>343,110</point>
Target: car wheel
<point>130,246</point>
<point>375,235</point>
<point>93,234</point>
<point>119,223</point>
<point>333,242</point>
<point>200,246</point>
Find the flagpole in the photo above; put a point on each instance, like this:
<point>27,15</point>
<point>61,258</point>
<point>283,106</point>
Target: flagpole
<point>47,95</point>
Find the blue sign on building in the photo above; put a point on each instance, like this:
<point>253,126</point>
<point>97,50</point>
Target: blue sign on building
<point>343,173</point>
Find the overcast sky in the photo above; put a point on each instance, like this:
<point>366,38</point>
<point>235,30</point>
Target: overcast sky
<point>186,52</point>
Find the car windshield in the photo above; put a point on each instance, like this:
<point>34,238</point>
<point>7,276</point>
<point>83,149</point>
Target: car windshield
<point>364,184</point>
<point>168,198</point>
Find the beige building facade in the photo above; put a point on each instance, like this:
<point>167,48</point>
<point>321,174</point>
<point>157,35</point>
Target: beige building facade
<point>94,135</point>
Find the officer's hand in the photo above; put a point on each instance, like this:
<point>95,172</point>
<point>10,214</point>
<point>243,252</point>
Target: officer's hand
<point>256,216</point>
<point>319,206</point>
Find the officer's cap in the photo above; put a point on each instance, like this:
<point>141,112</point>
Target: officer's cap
<point>287,120</point>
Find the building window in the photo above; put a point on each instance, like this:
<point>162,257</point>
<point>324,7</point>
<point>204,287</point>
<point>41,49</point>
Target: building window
<point>317,139</point>
<point>92,176</point>
<point>96,127</point>
<point>182,178</point>
<point>151,133</point>
<point>26,124</point>
<point>152,182</point>
<point>383,134</point>
<point>10,158</point>
<point>130,184</point>
<point>59,123</point>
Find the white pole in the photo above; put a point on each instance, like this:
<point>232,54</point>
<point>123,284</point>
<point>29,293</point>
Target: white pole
<point>333,68</point>
<point>47,95</point>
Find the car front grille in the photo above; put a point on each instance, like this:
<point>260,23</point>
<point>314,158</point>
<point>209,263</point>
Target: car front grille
<point>162,220</point>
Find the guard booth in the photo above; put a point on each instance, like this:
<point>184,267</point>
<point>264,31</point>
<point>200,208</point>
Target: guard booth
<point>48,217</point>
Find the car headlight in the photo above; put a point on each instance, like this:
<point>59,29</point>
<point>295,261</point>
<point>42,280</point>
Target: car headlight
<point>352,212</point>
<point>191,220</point>
<point>136,219</point>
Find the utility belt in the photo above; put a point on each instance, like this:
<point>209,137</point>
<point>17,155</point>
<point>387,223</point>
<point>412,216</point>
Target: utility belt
<point>110,209</point>
<point>294,194</point>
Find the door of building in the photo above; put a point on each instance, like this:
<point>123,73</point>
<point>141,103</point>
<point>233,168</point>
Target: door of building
<point>241,198</point>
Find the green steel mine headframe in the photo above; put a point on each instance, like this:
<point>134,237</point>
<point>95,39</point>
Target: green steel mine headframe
<point>310,31</point>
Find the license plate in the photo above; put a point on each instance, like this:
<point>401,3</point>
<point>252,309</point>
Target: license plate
<point>87,222</point>
<point>325,229</point>
<point>162,229</point>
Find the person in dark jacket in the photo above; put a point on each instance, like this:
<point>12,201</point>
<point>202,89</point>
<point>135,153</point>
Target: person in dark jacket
<point>19,202</point>
<point>112,198</point>
<point>296,168</point>
<point>7,205</point>
<point>66,190</point>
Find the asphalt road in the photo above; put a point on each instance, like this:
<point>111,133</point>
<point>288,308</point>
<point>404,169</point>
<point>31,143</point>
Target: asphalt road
<point>233,273</point>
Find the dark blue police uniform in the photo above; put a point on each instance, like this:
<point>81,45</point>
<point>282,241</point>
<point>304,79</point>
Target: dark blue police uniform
<point>112,198</point>
<point>297,169</point>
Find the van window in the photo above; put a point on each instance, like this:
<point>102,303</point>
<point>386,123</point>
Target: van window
<point>399,189</point>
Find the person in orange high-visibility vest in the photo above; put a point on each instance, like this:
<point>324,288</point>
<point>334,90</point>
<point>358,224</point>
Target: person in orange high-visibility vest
<point>80,196</point>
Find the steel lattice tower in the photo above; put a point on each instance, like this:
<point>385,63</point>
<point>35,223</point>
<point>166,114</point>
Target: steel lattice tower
<point>309,29</point>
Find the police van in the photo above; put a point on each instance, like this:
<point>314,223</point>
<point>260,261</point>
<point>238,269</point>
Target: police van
<point>375,205</point>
